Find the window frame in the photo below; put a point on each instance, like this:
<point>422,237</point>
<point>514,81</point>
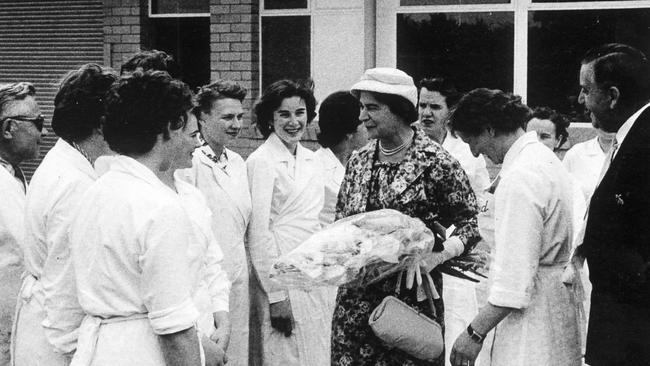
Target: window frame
<point>174,15</point>
<point>521,9</point>
<point>279,13</point>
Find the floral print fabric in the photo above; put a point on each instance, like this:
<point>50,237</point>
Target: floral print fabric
<point>428,184</point>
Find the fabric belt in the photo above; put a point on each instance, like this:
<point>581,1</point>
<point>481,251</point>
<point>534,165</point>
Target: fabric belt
<point>89,333</point>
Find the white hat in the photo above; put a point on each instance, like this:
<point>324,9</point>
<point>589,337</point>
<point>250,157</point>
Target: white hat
<point>388,81</point>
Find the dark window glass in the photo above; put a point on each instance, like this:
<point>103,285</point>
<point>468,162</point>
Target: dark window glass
<point>473,49</point>
<point>285,48</point>
<point>285,4</point>
<point>571,1</point>
<point>188,40</point>
<point>558,40</point>
<point>450,2</point>
<point>179,6</point>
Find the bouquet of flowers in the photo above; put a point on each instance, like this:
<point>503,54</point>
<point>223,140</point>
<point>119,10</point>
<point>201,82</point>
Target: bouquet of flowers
<point>357,250</point>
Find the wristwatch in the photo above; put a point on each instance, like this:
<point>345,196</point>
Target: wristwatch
<point>474,335</point>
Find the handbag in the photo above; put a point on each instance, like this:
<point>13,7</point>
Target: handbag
<point>400,326</point>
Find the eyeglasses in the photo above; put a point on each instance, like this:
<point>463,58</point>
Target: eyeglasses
<point>37,121</point>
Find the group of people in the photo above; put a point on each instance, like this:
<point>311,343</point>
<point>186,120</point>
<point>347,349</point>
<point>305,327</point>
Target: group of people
<point>142,239</point>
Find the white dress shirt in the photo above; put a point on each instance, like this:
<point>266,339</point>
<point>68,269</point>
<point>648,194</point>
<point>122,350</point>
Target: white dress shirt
<point>333,173</point>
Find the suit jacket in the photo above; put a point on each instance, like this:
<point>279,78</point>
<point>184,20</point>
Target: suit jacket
<point>617,236</point>
<point>617,248</point>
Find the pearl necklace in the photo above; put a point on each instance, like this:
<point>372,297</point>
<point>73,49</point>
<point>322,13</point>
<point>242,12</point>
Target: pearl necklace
<point>391,152</point>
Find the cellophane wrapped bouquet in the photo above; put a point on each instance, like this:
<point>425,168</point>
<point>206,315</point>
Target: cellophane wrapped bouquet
<point>355,251</point>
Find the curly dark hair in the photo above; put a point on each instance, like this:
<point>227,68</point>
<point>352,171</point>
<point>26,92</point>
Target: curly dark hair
<point>482,107</point>
<point>220,89</point>
<point>152,60</point>
<point>273,96</point>
<point>624,67</point>
<point>141,106</point>
<point>560,121</point>
<point>443,86</point>
<point>338,115</point>
<point>79,103</point>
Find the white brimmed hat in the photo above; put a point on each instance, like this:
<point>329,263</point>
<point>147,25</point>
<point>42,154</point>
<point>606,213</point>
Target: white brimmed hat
<point>387,80</point>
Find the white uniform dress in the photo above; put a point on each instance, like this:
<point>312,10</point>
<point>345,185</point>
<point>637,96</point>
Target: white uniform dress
<point>461,303</point>
<point>12,229</point>
<point>48,313</point>
<point>533,234</point>
<point>584,161</point>
<point>225,187</point>
<point>333,173</point>
<point>287,196</point>
<point>140,256</point>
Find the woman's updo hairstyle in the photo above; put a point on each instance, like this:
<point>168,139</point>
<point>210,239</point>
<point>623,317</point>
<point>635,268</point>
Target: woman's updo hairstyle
<point>482,107</point>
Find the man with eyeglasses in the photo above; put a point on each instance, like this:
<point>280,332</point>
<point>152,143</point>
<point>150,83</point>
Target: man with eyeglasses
<point>21,130</point>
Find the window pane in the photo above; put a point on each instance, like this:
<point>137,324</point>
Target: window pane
<point>450,2</point>
<point>473,49</point>
<point>559,39</point>
<point>285,48</point>
<point>571,1</point>
<point>285,4</point>
<point>188,40</point>
<point>179,6</point>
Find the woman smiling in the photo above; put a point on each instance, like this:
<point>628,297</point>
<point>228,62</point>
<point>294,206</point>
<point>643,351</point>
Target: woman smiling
<point>287,196</point>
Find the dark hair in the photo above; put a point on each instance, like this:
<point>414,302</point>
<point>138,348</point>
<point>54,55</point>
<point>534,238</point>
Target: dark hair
<point>79,103</point>
<point>483,107</point>
<point>624,67</point>
<point>443,86</point>
<point>141,106</point>
<point>273,96</point>
<point>560,121</point>
<point>338,115</point>
<point>398,105</point>
<point>152,60</point>
<point>220,89</point>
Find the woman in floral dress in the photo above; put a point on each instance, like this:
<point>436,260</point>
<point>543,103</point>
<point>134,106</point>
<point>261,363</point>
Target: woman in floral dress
<point>400,169</point>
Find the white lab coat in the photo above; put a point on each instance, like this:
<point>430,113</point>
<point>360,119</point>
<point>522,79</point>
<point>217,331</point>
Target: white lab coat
<point>461,302</point>
<point>533,235</point>
<point>140,256</point>
<point>584,161</point>
<point>287,196</point>
<point>333,173</point>
<point>12,215</point>
<point>228,197</point>
<point>48,313</point>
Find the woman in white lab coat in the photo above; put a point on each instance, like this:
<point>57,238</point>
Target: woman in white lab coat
<point>48,313</point>
<point>287,195</point>
<point>220,174</point>
<point>341,132</point>
<point>139,253</point>
<point>531,311</point>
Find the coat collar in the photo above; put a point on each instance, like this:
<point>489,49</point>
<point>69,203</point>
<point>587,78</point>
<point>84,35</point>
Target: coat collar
<point>279,152</point>
<point>68,153</point>
<point>516,149</point>
<point>128,165</point>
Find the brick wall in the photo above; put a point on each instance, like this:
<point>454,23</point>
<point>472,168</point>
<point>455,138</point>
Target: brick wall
<point>234,55</point>
<point>121,30</point>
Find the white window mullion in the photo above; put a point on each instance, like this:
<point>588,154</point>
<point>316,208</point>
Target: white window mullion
<point>520,71</point>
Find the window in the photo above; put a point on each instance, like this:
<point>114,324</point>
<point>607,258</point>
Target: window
<point>285,48</point>
<point>285,40</point>
<point>182,29</point>
<point>475,49</point>
<point>530,47</point>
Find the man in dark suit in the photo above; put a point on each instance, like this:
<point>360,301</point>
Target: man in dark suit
<point>615,88</point>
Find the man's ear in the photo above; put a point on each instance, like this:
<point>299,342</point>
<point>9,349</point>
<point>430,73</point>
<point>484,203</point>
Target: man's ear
<point>490,130</point>
<point>6,130</point>
<point>614,95</point>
